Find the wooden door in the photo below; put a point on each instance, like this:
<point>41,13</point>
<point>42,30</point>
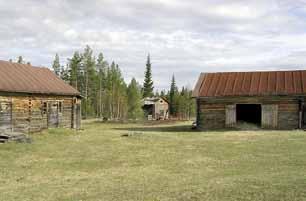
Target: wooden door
<point>53,116</point>
<point>5,116</point>
<point>269,116</point>
<point>230,115</point>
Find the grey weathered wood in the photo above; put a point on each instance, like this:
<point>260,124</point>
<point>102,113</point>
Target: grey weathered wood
<point>230,115</point>
<point>5,115</point>
<point>53,114</point>
<point>269,116</point>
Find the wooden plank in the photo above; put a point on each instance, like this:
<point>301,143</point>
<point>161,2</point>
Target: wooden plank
<point>269,117</point>
<point>230,115</point>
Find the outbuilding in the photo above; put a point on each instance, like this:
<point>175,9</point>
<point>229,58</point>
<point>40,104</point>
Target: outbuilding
<point>269,99</point>
<point>34,98</point>
<point>155,108</point>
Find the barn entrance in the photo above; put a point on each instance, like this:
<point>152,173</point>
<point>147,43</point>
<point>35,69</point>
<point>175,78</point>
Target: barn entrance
<point>249,113</point>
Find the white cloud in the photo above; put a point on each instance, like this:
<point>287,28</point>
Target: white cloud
<point>71,34</point>
<point>183,37</point>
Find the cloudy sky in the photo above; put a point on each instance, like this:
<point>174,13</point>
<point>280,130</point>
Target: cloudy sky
<point>183,37</point>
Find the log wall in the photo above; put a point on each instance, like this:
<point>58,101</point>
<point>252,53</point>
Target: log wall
<point>30,113</point>
<point>211,116</point>
<point>288,115</point>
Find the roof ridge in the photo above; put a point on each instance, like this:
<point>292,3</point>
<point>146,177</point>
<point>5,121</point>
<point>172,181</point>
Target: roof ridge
<point>21,64</point>
<point>255,71</point>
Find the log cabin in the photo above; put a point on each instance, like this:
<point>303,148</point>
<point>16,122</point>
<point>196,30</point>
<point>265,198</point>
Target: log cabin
<point>34,98</point>
<point>269,99</point>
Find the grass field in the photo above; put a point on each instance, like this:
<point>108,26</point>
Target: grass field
<point>166,162</point>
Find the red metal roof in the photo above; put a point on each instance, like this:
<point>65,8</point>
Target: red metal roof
<point>263,83</point>
<point>24,78</point>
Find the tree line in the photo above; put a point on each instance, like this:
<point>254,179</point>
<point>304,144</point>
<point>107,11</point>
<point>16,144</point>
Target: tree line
<point>106,94</point>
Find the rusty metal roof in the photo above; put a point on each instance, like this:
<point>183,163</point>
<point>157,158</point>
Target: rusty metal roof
<point>24,78</point>
<point>265,83</point>
<point>153,100</point>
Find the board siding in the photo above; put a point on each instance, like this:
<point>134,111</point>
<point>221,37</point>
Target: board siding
<point>269,118</point>
<point>230,116</point>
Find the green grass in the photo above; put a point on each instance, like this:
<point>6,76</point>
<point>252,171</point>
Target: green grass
<point>167,162</point>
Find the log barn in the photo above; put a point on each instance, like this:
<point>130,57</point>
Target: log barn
<point>34,98</point>
<point>270,99</point>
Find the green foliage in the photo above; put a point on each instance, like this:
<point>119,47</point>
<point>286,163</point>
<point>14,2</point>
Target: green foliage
<point>106,95</point>
<point>74,70</point>
<point>56,66</point>
<point>182,105</point>
<point>89,86</point>
<point>101,70</point>
<point>64,74</point>
<point>173,97</point>
<point>134,101</point>
<point>148,82</point>
<point>116,93</point>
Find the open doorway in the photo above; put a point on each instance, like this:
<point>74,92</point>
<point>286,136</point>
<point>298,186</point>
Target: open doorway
<point>148,111</point>
<point>249,113</point>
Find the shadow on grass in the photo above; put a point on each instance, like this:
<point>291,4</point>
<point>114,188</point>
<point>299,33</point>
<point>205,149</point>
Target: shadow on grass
<point>168,129</point>
<point>180,128</point>
<point>186,129</point>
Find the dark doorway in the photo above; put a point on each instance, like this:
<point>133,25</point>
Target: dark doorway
<point>250,113</point>
<point>148,109</point>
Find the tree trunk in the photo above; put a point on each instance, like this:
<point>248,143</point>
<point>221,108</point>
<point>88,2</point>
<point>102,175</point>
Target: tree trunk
<point>86,93</point>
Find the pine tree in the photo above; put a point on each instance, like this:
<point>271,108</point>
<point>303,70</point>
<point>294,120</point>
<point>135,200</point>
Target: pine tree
<point>134,100</point>
<point>182,106</point>
<point>20,60</point>
<point>116,93</point>
<point>56,65</point>
<point>173,97</point>
<point>74,70</point>
<point>64,73</point>
<point>148,82</point>
<point>101,69</point>
<point>89,87</point>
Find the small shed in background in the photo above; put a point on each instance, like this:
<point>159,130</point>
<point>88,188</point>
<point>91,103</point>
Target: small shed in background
<point>155,108</point>
<point>34,98</point>
<point>270,99</point>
